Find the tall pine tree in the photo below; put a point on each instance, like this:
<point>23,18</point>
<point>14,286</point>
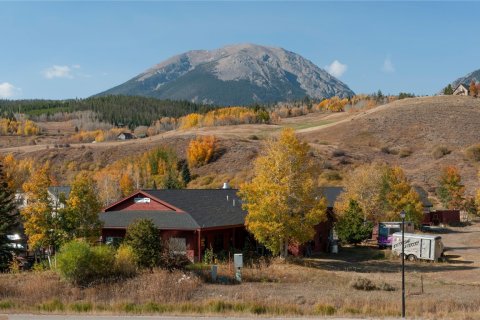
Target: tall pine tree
<point>8,219</point>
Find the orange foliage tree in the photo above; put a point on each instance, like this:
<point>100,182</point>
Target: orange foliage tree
<point>201,150</point>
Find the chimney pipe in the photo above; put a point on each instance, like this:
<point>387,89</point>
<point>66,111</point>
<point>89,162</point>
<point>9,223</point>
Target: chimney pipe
<point>234,202</point>
<point>226,185</point>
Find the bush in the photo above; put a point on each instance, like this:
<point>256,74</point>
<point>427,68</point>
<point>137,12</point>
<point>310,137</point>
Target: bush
<point>366,284</point>
<point>126,261</point>
<point>388,150</point>
<point>82,265</point>
<point>363,284</point>
<point>332,175</point>
<point>338,153</point>
<point>325,310</point>
<point>174,261</point>
<point>405,152</point>
<point>440,151</point>
<point>473,152</point>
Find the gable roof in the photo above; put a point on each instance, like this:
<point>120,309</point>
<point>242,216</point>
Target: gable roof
<point>58,190</point>
<point>190,209</point>
<point>423,196</point>
<point>466,86</point>
<point>331,194</point>
<point>208,207</point>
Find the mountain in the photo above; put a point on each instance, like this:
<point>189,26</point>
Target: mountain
<point>475,75</point>
<point>234,75</point>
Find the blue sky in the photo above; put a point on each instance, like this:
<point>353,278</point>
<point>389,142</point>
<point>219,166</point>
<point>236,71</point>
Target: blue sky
<point>74,49</point>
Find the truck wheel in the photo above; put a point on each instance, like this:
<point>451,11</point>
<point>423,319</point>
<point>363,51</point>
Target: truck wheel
<point>411,257</point>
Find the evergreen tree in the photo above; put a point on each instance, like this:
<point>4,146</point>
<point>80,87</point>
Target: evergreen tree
<point>144,238</point>
<point>8,219</point>
<point>351,226</point>
<point>448,90</point>
<point>184,171</point>
<point>171,181</point>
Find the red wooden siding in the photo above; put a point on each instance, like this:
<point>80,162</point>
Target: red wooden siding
<point>441,217</point>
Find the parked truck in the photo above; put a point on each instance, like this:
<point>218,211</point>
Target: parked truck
<point>386,231</point>
<point>418,246</point>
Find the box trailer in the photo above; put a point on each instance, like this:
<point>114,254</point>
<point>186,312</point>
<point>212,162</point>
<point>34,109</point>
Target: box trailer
<point>418,246</point>
<point>386,230</point>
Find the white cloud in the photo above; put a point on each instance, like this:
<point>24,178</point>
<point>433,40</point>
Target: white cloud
<point>388,66</point>
<point>58,72</point>
<point>8,90</point>
<point>336,68</point>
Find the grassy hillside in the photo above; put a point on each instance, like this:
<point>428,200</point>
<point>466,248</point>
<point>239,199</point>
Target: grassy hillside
<point>410,133</point>
<point>421,135</point>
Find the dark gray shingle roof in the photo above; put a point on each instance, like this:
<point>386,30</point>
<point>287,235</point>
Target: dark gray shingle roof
<point>331,193</point>
<point>208,207</point>
<point>162,219</point>
<point>202,209</point>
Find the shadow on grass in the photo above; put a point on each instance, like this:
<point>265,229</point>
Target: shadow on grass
<point>369,259</point>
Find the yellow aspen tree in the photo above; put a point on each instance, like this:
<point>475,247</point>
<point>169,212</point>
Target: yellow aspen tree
<point>281,201</point>
<point>38,215</point>
<point>126,184</point>
<point>82,209</point>
<point>400,196</point>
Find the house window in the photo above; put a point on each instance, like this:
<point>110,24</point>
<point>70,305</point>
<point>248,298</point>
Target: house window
<point>113,241</point>
<point>178,245</point>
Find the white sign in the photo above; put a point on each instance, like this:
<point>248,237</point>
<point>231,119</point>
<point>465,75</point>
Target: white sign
<point>141,200</point>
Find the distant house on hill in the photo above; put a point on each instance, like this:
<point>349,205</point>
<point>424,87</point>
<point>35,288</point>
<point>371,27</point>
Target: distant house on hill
<point>461,90</point>
<point>58,195</point>
<point>125,136</point>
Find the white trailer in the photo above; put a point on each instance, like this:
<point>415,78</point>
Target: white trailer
<point>418,246</point>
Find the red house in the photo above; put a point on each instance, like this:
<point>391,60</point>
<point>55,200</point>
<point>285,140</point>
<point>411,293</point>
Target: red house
<point>193,220</point>
<point>189,219</point>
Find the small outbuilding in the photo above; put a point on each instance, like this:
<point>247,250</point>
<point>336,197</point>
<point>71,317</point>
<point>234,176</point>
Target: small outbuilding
<point>441,217</point>
<point>125,136</point>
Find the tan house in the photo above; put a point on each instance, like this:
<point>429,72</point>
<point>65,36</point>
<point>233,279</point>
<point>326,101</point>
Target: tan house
<point>461,90</point>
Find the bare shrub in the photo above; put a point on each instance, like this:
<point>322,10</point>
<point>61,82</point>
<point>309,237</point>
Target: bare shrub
<point>473,152</point>
<point>338,153</point>
<point>332,175</point>
<point>364,284</point>
<point>405,152</point>
<point>440,151</point>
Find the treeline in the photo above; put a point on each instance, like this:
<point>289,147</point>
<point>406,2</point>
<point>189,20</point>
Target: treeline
<point>131,111</point>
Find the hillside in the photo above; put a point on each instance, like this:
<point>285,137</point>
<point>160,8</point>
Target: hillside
<point>417,126</point>
<point>404,133</point>
<point>234,75</point>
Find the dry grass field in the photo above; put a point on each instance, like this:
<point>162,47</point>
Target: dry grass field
<point>322,285</point>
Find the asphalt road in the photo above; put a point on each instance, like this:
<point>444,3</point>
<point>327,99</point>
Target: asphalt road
<point>92,317</point>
